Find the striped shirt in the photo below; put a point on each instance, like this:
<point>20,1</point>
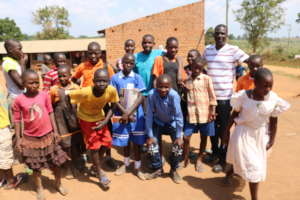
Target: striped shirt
<point>50,79</point>
<point>221,68</point>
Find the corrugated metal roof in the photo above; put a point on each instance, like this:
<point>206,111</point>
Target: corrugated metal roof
<point>45,46</point>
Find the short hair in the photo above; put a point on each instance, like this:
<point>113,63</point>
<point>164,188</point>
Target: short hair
<point>171,39</point>
<point>262,73</point>
<point>27,72</point>
<point>200,61</point>
<point>56,55</point>
<point>94,44</point>
<point>148,35</point>
<point>126,55</point>
<point>221,25</point>
<point>101,71</point>
<point>164,77</point>
<point>8,43</point>
<point>254,56</point>
<point>196,51</point>
<point>129,40</point>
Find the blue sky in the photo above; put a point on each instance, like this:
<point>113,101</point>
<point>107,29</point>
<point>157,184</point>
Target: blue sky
<point>88,16</point>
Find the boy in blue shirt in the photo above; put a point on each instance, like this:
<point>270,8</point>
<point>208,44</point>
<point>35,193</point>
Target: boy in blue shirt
<point>164,116</point>
<point>144,61</point>
<point>130,123</point>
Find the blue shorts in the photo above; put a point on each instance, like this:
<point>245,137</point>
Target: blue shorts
<point>207,129</point>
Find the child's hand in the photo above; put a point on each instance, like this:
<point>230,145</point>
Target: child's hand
<point>150,141</point>
<point>19,146</point>
<point>57,138</point>
<point>212,113</point>
<point>179,142</point>
<point>99,125</point>
<point>124,119</point>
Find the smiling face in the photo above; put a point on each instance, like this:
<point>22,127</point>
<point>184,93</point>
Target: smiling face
<point>128,62</point>
<point>101,81</point>
<point>220,36</point>
<point>148,44</point>
<point>163,86</point>
<point>129,46</point>
<point>172,48</point>
<point>192,55</point>
<point>60,59</point>
<point>31,83</point>
<point>94,54</point>
<point>64,75</point>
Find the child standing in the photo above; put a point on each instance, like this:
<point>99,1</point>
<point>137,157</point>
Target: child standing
<point>170,64</point>
<point>132,123</point>
<point>164,116</point>
<point>246,82</point>
<point>144,61</point>
<point>201,104</point>
<point>93,122</point>
<point>255,114</point>
<point>66,119</point>
<point>38,142</point>
<point>129,47</point>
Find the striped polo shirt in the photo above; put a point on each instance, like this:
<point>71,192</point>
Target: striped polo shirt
<point>50,79</point>
<point>221,68</point>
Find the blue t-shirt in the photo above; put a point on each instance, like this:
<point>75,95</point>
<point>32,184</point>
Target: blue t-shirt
<point>143,67</point>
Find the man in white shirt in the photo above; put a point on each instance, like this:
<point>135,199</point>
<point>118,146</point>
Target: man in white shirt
<point>221,58</point>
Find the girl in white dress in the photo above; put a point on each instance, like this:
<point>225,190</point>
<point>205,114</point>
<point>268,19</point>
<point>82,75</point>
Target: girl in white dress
<point>255,116</point>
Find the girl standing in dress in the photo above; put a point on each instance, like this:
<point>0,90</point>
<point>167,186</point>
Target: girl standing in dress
<point>255,114</point>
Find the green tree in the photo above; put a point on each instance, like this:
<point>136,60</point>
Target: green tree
<point>10,30</point>
<point>298,19</point>
<point>231,36</point>
<point>258,18</point>
<point>209,36</point>
<point>54,21</point>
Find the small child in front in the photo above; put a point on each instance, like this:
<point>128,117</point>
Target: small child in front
<point>131,125</point>
<point>164,116</point>
<point>93,122</point>
<point>201,104</point>
<point>255,114</point>
<point>38,142</point>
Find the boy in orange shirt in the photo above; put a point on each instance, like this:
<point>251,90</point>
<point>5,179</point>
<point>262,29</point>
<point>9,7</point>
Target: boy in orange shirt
<point>246,82</point>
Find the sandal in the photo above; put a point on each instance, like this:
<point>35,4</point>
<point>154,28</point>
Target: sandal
<point>104,182</point>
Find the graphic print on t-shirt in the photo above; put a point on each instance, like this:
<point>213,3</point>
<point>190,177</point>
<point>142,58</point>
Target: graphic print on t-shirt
<point>36,112</point>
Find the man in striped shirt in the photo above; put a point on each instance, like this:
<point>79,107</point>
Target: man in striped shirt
<point>221,58</point>
<point>51,77</point>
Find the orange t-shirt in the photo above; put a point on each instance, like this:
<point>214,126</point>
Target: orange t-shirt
<point>54,91</point>
<point>86,70</point>
<point>245,83</point>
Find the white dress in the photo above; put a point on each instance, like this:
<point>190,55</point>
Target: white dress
<point>247,145</point>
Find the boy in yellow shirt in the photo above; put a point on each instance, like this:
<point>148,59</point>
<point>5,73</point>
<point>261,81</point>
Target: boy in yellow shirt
<point>93,122</point>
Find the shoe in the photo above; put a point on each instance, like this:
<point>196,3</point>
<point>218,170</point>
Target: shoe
<point>175,176</point>
<point>140,174</point>
<point>217,168</point>
<point>122,170</point>
<point>211,159</point>
<point>153,175</point>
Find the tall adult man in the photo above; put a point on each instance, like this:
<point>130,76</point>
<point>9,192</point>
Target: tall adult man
<point>221,58</point>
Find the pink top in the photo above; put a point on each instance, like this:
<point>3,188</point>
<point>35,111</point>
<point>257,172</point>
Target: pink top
<point>35,113</point>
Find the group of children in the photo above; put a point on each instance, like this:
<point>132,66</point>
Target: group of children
<point>144,96</point>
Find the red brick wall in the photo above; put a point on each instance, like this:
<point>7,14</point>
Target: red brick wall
<point>185,22</point>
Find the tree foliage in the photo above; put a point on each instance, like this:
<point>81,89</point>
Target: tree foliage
<point>209,36</point>
<point>10,30</point>
<point>258,18</point>
<point>54,21</point>
<point>298,19</point>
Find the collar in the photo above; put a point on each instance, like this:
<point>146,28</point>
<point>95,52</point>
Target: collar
<point>121,75</point>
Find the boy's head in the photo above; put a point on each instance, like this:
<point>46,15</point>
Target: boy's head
<point>59,59</point>
<point>148,43</point>
<point>164,84</point>
<point>94,53</point>
<point>101,80</point>
<point>220,35</point>
<point>263,80</point>
<point>197,66</point>
<point>48,60</point>
<point>13,49</point>
<point>192,55</point>
<point>254,63</point>
<point>128,62</point>
<point>172,46</point>
<point>64,74</point>
<point>31,81</point>
<point>129,46</point>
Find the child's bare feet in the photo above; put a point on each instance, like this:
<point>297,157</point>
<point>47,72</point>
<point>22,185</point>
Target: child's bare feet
<point>199,165</point>
<point>63,191</point>
<point>40,194</point>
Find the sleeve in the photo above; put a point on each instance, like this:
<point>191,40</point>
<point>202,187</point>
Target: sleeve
<point>77,96</point>
<point>48,103</point>
<point>140,84</point>
<point>110,71</point>
<point>149,117</point>
<point>236,100</point>
<point>281,106</point>
<point>47,81</point>
<point>240,55</point>
<point>7,66</point>
<point>114,95</point>
<point>113,82</point>
<point>158,68</point>
<point>78,72</point>
<point>16,111</point>
<point>211,93</point>
<point>178,117</point>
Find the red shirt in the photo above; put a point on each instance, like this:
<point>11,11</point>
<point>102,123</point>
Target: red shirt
<point>34,112</point>
<point>51,78</point>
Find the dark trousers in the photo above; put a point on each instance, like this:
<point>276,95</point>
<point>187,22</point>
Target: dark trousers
<point>223,111</point>
<point>155,158</point>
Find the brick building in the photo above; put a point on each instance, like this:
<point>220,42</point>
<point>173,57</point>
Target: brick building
<point>185,22</point>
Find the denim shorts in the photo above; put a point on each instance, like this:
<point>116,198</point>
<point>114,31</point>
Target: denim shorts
<point>206,129</point>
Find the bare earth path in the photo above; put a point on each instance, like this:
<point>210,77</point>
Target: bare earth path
<point>283,181</point>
